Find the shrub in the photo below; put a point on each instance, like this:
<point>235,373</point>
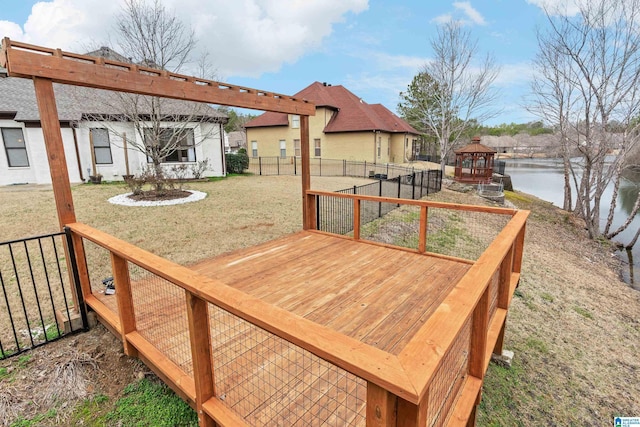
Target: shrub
<point>237,163</point>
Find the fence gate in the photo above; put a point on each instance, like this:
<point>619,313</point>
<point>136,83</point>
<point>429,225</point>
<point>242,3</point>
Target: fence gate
<point>36,294</point>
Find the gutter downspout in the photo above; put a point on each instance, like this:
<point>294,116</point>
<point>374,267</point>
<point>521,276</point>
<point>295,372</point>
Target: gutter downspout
<point>75,144</point>
<point>224,158</point>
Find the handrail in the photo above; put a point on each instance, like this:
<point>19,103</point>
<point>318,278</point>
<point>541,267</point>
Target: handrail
<point>361,359</point>
<point>427,203</point>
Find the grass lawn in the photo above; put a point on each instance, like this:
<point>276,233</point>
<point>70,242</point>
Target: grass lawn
<point>574,326</point>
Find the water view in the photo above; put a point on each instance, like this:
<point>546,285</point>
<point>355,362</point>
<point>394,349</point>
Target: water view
<point>544,179</point>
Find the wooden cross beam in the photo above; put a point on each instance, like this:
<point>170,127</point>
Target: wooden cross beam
<point>29,61</point>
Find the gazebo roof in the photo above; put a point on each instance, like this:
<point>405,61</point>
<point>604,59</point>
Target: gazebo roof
<point>475,148</point>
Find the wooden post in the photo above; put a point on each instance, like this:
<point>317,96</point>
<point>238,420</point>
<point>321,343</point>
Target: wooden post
<point>200,337</point>
<point>126,153</point>
<point>381,407</point>
<point>308,213</point>
<point>410,415</point>
<point>54,146</point>
<point>519,249</point>
<point>356,219</point>
<point>55,150</point>
<point>422,239</point>
<point>120,269</point>
<point>504,288</point>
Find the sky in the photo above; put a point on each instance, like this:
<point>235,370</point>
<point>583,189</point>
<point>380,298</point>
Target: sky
<point>372,47</point>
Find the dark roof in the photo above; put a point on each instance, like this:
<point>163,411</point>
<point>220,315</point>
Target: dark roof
<point>475,148</point>
<point>108,53</point>
<point>352,113</point>
<point>17,95</point>
<point>237,139</point>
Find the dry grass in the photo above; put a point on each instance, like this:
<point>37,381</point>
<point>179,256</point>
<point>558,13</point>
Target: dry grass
<point>573,324</point>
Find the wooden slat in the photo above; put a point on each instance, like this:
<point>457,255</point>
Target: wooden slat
<point>361,359</point>
<point>173,375</point>
<point>479,327</point>
<point>411,415</point>
<point>307,205</point>
<point>222,414</point>
<point>466,402</point>
<point>504,280</point>
<point>21,61</point>
<point>356,219</point>
<point>104,312</point>
<point>496,327</point>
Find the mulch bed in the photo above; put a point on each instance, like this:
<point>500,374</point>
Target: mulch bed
<point>152,195</point>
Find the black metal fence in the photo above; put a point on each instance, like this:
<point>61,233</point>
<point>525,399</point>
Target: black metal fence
<point>335,215</point>
<point>327,167</point>
<point>36,294</point>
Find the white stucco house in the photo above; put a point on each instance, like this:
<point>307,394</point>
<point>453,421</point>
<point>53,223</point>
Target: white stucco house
<point>88,115</point>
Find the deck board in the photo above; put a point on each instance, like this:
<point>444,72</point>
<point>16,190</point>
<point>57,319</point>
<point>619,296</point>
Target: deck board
<point>378,295</point>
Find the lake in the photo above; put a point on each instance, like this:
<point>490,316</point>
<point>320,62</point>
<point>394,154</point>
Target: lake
<point>543,178</point>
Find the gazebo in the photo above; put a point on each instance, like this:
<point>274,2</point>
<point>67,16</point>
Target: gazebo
<point>474,163</point>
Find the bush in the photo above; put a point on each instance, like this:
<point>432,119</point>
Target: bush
<point>237,163</point>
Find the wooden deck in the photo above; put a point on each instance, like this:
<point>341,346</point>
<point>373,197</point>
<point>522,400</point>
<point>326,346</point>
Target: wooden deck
<point>361,290</point>
<point>380,296</point>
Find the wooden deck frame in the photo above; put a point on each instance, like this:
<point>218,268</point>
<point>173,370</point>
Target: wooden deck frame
<point>398,384</point>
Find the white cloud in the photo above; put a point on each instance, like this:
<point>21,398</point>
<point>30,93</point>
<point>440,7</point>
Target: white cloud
<point>11,30</point>
<point>559,7</point>
<point>518,74</point>
<point>244,37</point>
<point>470,11</point>
<point>463,13</point>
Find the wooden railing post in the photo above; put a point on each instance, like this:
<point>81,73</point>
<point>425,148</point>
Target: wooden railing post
<point>519,249</point>
<point>120,269</point>
<point>356,219</point>
<point>200,337</point>
<point>422,239</point>
<point>504,293</point>
<point>381,407</point>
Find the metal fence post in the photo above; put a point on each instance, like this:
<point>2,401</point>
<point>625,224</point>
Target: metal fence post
<point>295,166</point>
<point>260,165</point>
<point>413,186</point>
<point>380,195</point>
<point>278,165</point>
<point>399,187</point>
<point>318,226</point>
<point>365,169</point>
<point>344,167</point>
<point>76,278</point>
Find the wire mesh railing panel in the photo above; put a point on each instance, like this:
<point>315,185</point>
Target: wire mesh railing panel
<point>35,293</point>
<point>268,381</point>
<point>449,378</point>
<point>493,293</point>
<point>396,226</point>
<point>100,274</point>
<point>161,315</point>
<point>462,234</point>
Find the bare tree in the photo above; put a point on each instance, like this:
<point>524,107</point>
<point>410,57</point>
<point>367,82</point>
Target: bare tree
<point>459,92</point>
<point>167,129</point>
<point>588,74</point>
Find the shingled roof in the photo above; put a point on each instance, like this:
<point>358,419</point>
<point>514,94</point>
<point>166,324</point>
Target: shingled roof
<point>352,113</point>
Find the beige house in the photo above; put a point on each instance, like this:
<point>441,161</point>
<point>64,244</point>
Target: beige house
<point>344,127</point>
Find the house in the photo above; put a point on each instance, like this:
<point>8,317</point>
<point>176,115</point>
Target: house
<point>94,131</point>
<point>234,141</point>
<point>344,127</point>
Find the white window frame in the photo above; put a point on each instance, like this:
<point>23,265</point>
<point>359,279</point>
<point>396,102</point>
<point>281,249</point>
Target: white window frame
<point>100,149</point>
<point>295,121</point>
<point>283,148</point>
<point>254,148</point>
<point>317,147</point>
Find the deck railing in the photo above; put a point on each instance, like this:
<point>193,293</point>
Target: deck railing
<point>435,380</point>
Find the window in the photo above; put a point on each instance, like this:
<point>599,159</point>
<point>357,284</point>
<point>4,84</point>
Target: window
<point>254,148</point>
<point>101,146</point>
<point>316,144</point>
<point>283,148</point>
<point>15,147</point>
<point>296,147</point>
<point>295,122</point>
<point>179,144</point>
<point>379,144</point>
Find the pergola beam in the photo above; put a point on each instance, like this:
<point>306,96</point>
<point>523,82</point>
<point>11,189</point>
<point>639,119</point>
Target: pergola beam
<point>28,61</point>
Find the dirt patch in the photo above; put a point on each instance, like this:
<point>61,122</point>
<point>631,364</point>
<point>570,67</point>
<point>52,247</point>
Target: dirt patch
<point>53,379</point>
